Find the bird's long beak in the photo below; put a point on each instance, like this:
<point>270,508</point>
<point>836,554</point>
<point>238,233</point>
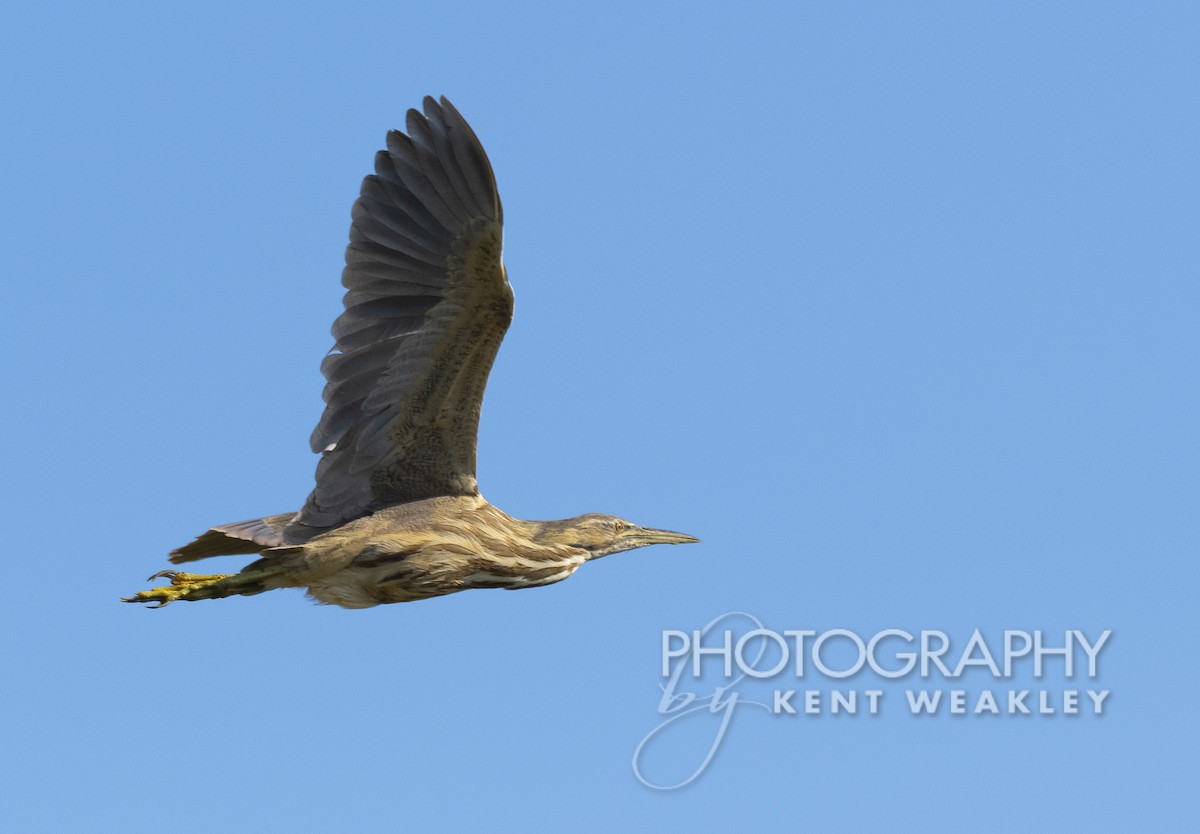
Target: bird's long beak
<point>648,535</point>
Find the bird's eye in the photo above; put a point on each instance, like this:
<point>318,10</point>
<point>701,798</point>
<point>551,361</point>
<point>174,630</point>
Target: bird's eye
<point>618,526</point>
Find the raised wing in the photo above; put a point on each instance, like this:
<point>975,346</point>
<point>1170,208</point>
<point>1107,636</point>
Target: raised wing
<point>427,305</point>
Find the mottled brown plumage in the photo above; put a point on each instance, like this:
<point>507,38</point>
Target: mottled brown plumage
<point>396,514</point>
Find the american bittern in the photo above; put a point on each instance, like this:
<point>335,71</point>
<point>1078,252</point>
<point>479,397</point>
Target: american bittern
<point>396,514</point>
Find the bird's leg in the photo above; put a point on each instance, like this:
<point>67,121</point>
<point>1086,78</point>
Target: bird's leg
<point>194,586</point>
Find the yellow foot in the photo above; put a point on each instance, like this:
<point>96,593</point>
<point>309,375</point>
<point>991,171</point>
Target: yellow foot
<point>186,586</point>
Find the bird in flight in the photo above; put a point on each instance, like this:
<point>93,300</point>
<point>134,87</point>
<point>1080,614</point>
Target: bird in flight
<point>396,513</point>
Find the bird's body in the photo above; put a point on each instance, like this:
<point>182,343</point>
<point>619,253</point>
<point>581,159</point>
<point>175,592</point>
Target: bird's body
<point>434,547</point>
<point>396,513</point>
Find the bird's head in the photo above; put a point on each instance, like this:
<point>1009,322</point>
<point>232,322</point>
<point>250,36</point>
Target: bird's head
<point>601,534</point>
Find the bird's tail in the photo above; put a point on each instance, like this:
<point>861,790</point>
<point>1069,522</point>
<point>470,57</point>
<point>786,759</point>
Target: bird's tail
<point>241,537</point>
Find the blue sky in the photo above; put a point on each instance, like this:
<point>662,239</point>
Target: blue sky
<point>893,305</point>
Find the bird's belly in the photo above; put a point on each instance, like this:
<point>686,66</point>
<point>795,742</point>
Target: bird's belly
<point>432,574</point>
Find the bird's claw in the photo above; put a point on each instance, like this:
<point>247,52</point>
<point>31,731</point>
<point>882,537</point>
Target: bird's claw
<point>184,586</point>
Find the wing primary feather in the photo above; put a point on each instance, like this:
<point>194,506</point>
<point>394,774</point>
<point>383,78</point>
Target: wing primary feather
<point>444,143</point>
<point>400,195</point>
<point>433,165</point>
<point>406,161</point>
<point>472,158</point>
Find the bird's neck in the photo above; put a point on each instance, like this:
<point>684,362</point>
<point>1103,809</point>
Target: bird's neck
<point>550,532</point>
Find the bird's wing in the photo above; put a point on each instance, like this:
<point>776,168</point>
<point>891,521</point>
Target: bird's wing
<point>427,305</point>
